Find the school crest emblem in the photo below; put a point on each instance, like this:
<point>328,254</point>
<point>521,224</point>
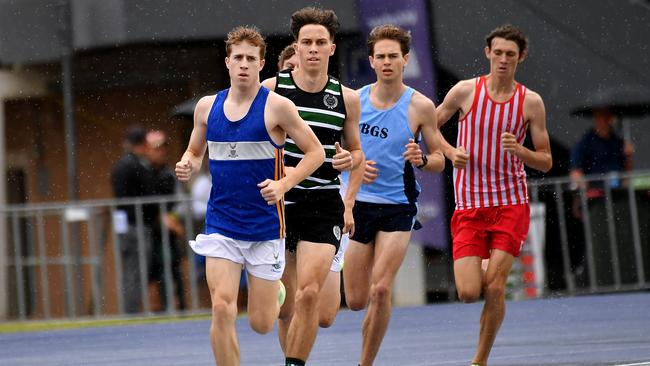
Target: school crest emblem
<point>330,101</point>
<point>232,152</point>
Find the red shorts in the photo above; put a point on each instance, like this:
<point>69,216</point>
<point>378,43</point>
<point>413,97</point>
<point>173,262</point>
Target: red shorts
<point>476,231</point>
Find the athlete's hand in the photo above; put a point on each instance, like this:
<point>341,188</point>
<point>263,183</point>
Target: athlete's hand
<point>370,173</point>
<point>509,143</point>
<point>348,221</point>
<point>342,160</point>
<point>272,191</point>
<point>459,158</point>
<point>184,170</point>
<point>413,153</point>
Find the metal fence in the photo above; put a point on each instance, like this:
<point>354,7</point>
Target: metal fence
<point>597,233</point>
<point>65,260</point>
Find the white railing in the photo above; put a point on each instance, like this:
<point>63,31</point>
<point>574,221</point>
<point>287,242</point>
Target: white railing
<point>601,230</point>
<point>65,261</point>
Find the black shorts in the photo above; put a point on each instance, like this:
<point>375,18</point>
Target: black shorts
<point>370,218</point>
<point>314,221</point>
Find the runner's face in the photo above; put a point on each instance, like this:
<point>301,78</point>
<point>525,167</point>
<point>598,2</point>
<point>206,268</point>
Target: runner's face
<point>314,47</point>
<point>244,64</point>
<point>504,56</point>
<point>387,60</point>
<point>290,63</point>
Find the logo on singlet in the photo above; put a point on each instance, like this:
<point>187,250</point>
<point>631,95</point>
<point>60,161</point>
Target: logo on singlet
<point>374,131</point>
<point>278,265</point>
<point>337,232</point>
<point>330,101</point>
<point>232,153</point>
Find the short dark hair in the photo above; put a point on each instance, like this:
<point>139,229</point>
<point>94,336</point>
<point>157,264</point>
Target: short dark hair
<point>510,33</point>
<point>246,34</point>
<point>311,15</point>
<point>392,32</point>
<point>135,135</point>
<point>286,54</point>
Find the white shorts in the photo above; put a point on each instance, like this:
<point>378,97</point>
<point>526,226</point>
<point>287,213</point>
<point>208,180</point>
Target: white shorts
<point>262,259</point>
<point>337,262</point>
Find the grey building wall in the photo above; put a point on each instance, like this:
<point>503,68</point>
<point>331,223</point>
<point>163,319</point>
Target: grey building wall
<point>577,47</point>
<point>34,31</point>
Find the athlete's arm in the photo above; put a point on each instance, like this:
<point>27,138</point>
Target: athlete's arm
<point>193,157</point>
<point>456,100</point>
<point>540,158</point>
<point>284,115</point>
<point>354,183</point>
<point>422,117</point>
<point>351,156</point>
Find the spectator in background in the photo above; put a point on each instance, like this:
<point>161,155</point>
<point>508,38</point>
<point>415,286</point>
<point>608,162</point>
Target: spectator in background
<point>131,177</point>
<point>164,184</point>
<point>601,150</point>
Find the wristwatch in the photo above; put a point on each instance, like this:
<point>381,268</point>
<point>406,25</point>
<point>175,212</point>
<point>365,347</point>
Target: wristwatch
<point>425,160</point>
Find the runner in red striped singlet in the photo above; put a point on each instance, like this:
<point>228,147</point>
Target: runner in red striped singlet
<point>492,214</point>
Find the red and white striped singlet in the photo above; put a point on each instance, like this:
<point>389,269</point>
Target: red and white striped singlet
<point>491,177</point>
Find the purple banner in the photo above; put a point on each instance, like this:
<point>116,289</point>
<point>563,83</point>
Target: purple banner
<point>419,74</point>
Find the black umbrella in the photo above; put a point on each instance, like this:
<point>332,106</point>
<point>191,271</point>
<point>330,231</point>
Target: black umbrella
<point>629,100</point>
<point>626,101</point>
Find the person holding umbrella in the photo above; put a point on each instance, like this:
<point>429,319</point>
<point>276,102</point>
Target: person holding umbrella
<point>601,150</point>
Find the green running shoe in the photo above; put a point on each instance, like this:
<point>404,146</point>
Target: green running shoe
<point>282,294</point>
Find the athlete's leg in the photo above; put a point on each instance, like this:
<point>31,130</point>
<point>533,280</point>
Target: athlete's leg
<point>356,276</point>
<point>263,306</point>
<point>330,296</point>
<point>223,281</point>
<point>390,250</point>
<point>286,311</point>
<point>313,264</point>
<point>470,246</point>
<point>265,263</point>
<point>329,300</point>
<point>469,278</point>
<point>494,308</point>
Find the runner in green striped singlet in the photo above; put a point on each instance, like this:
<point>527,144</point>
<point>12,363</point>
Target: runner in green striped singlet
<point>315,210</point>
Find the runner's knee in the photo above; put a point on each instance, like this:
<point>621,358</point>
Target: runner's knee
<point>224,310</point>
<point>380,293</point>
<point>326,320</point>
<point>261,323</point>
<point>469,294</point>
<point>307,296</point>
<point>495,289</point>
<point>356,303</point>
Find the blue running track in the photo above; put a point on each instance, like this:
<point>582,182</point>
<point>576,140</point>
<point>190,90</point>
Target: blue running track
<point>588,330</point>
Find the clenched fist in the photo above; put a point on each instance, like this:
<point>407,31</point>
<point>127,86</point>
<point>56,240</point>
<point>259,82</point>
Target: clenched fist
<point>184,170</point>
